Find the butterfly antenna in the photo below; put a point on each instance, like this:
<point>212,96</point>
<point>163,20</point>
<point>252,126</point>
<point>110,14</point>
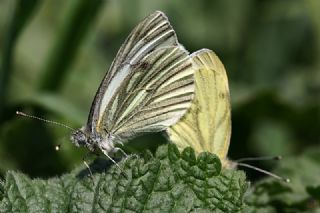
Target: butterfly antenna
<point>44,120</point>
<point>266,158</point>
<point>264,172</point>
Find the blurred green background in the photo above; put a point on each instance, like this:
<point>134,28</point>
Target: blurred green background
<point>53,55</point>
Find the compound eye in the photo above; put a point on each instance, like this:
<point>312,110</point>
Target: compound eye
<point>78,138</point>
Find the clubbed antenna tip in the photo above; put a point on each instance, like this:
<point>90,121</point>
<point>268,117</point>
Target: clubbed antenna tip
<point>263,158</point>
<point>264,172</point>
<point>44,120</point>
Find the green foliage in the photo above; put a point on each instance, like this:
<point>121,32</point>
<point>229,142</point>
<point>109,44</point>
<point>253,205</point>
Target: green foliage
<point>302,194</point>
<point>168,182</point>
<point>78,21</point>
<point>22,12</point>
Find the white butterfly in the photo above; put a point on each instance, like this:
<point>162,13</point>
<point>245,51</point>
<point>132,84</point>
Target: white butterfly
<point>148,87</point>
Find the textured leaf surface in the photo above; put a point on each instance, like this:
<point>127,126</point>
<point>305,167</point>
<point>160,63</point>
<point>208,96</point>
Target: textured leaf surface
<point>170,181</point>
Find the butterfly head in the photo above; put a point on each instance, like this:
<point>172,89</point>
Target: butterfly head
<point>80,138</point>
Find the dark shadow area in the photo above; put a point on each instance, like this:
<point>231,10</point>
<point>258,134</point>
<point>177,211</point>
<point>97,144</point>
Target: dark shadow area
<point>99,165</point>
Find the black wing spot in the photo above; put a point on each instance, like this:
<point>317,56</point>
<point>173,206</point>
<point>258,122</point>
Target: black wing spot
<point>144,65</point>
<point>222,95</point>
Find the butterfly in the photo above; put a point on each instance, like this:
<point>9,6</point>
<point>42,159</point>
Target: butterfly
<point>148,87</point>
<point>207,125</point>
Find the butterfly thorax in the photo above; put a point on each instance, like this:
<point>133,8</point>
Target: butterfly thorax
<point>94,142</point>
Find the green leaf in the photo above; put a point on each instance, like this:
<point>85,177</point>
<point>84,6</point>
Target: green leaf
<point>170,181</point>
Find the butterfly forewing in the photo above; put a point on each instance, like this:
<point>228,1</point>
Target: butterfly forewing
<point>149,85</point>
<point>151,33</point>
<point>207,125</point>
<point>157,106</point>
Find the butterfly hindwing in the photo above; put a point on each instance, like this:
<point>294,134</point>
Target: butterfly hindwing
<point>207,125</point>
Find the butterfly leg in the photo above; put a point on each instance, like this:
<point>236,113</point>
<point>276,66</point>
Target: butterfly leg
<point>87,165</point>
<point>116,149</point>
<point>110,158</point>
<point>125,154</point>
<point>113,161</point>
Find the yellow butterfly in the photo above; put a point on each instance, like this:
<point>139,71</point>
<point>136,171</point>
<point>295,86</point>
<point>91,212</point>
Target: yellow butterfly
<point>206,127</point>
<point>207,124</point>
